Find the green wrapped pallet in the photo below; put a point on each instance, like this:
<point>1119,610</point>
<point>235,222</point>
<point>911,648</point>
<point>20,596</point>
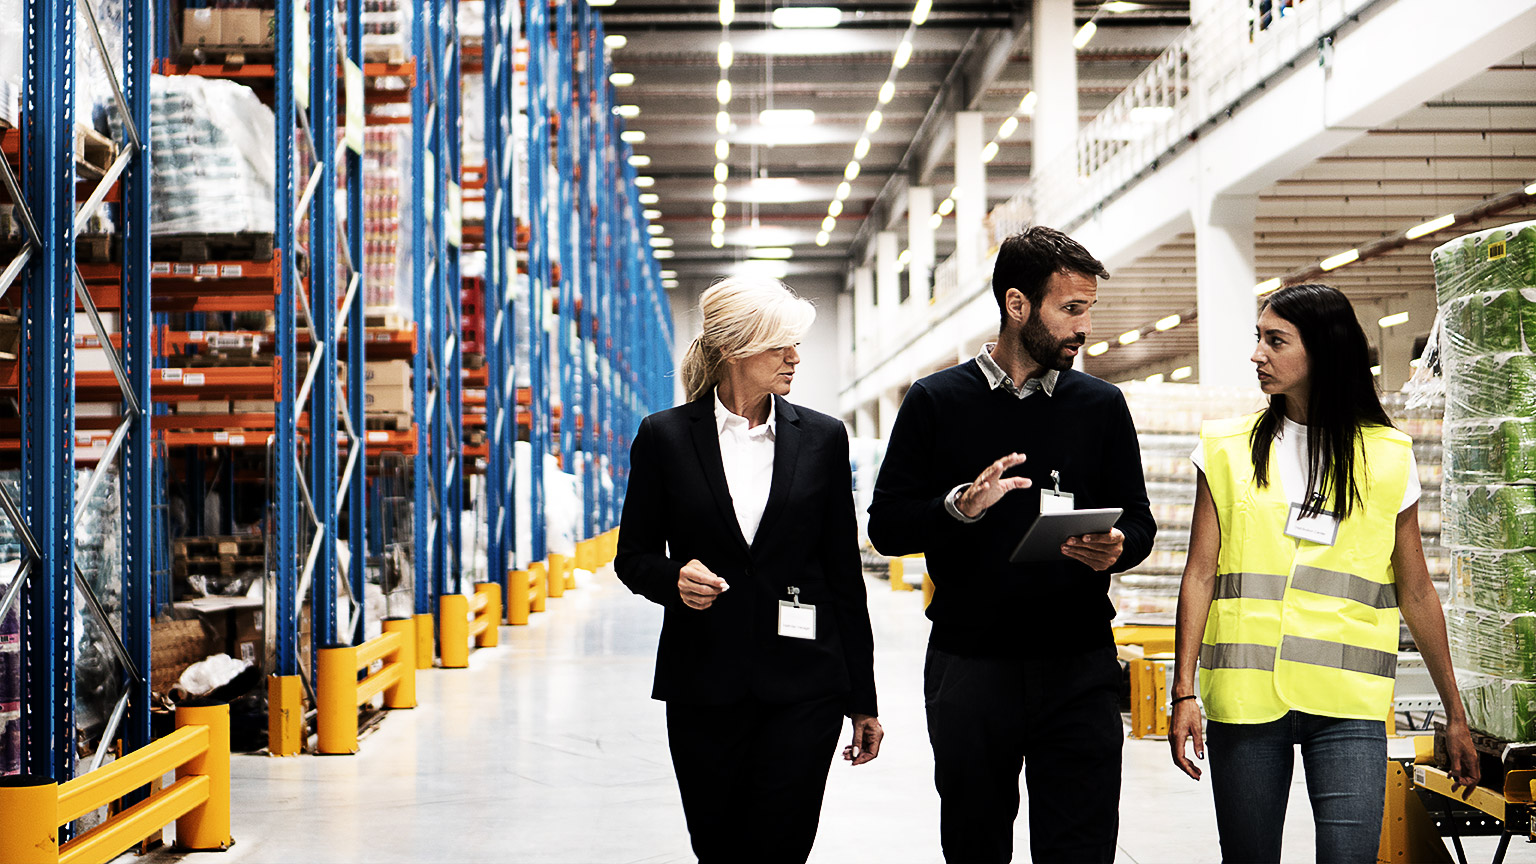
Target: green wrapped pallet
<point>1499,707</point>
<point>1469,456</point>
<point>1496,321</point>
<point>1512,450</point>
<point>1488,579</point>
<point>1490,517</point>
<point>1493,643</point>
<point>1492,385</point>
<point>1498,258</point>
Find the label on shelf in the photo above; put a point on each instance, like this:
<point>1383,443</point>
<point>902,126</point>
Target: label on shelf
<point>352,77</point>
<point>184,269</point>
<point>208,270</point>
<point>377,437</point>
<point>170,374</point>
<point>231,271</point>
<point>160,268</point>
<point>237,440</point>
<point>192,379</point>
<point>196,335</point>
<point>221,437</point>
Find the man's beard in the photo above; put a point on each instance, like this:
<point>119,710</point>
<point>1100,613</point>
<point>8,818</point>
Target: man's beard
<point>1042,347</point>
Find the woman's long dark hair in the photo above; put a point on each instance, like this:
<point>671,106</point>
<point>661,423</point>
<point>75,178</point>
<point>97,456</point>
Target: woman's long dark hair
<point>1341,396</point>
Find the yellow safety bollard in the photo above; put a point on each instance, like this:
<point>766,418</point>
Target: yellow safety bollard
<point>537,573</point>
<point>584,555</point>
<point>424,640</point>
<point>207,825</point>
<point>454,612</point>
<point>491,636</point>
<point>570,574</point>
<point>927,590</point>
<point>285,715</point>
<point>519,597</point>
<point>610,546</point>
<point>556,573</point>
<point>336,698</point>
<point>29,820</point>
<point>899,575</point>
<point>403,694</point>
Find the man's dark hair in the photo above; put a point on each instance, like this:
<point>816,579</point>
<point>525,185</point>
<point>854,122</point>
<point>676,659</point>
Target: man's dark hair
<point>1027,260</point>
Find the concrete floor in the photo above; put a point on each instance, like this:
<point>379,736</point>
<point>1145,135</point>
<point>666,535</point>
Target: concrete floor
<point>549,749</point>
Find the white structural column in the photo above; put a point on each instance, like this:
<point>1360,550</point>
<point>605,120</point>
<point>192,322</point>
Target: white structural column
<point>887,289</point>
<point>864,328</point>
<point>1224,280</point>
<point>1053,77</point>
<point>864,421</point>
<point>920,244</point>
<point>888,407</point>
<point>845,368</point>
<point>971,199</point>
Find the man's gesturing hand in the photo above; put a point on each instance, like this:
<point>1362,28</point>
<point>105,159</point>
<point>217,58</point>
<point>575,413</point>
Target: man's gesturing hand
<point>698,586</point>
<point>991,486</point>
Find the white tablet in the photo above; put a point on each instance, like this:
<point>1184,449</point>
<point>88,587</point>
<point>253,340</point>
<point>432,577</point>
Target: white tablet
<point>1042,542</point>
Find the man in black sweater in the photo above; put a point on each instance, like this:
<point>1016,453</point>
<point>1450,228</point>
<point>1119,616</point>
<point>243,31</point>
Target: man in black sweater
<point>1021,669</point>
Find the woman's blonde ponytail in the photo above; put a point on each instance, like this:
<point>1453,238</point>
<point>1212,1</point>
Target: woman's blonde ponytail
<point>698,369</point>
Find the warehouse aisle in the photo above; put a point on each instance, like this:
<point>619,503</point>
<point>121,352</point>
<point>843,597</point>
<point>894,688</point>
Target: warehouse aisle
<point>548,749</point>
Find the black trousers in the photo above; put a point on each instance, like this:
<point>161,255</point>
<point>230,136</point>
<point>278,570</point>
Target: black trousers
<point>752,776</point>
<point>1058,720</point>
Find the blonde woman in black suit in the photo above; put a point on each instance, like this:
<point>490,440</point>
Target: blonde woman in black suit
<point>739,521</point>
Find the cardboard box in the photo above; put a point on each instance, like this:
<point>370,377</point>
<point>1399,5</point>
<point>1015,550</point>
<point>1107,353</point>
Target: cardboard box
<point>241,26</point>
<point>202,407</point>
<point>388,373</point>
<point>255,406</point>
<point>394,400</point>
<point>201,27</point>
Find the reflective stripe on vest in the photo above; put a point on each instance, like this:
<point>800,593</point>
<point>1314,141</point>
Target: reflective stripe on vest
<point>1299,649</point>
<point>1345,585</point>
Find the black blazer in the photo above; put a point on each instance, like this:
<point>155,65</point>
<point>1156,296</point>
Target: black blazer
<point>678,507</point>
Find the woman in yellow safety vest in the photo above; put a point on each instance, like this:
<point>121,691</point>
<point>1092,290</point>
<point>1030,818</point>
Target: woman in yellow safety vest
<point>1305,545</point>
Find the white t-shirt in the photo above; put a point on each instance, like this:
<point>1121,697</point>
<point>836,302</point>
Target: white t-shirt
<point>1291,450</point>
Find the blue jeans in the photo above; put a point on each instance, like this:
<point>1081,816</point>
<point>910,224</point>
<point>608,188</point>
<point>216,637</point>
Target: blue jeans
<point>1346,769</point>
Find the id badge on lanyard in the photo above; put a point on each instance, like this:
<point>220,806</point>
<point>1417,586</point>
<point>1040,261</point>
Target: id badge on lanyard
<point>1322,529</point>
<point>796,620</point>
<point>1055,500</point>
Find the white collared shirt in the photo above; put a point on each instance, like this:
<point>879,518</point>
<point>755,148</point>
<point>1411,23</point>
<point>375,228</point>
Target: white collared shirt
<point>747,455</point>
<point>996,377</point>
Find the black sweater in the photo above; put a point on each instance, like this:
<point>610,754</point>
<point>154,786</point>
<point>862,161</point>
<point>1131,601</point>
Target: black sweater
<point>951,426</point>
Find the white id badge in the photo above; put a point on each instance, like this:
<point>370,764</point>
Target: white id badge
<point>1322,529</point>
<point>1056,502</point>
<point>797,620</point>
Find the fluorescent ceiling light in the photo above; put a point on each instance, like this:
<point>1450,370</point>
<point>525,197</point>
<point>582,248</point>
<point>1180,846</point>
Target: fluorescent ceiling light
<point>669,274</point>
<point>722,149</point>
<point>649,198</point>
<point>835,209</point>
<point>1084,35</point>
<point>1531,189</point>
<point>718,210</point>
<point>722,122</point>
<point>652,214</point>
<point>622,79</point>
<point>807,17</point>
<point>669,283</point>
<point>615,40</point>
<point>1266,286</point>
<point>852,171</point>
<point>1169,323</point>
<point>1118,6</point>
<point>844,189</point>
<point>946,207</point>
<point>723,91</point>
<point>1150,114</point>
<point>920,12</point>
<point>776,190</point>
<point>887,91</point>
<point>717,240</point>
<point>727,55</point>
<point>904,258</point>
<point>1027,104</point>
<point>1129,336</point>
<point>639,161</point>
<point>1155,379</point>
<point>727,12</point>
<point>989,152</point>
<point>1336,261</point>
<point>1181,373</point>
<point>1431,226</point>
<point>935,221</point>
<point>600,2</point>
<point>1375,370</point>
<point>717,226</point>
<point>786,117</point>
<point>1097,348</point>
<point>874,121</point>
<point>903,53</point>
<point>719,191</point>
<point>645,182</point>
<point>1009,126</point>
<point>722,172</point>
<point>655,229</point>
<point>774,252</point>
<point>1394,319</point>
<point>822,238</point>
<point>661,242</point>
<point>759,267</point>
<point>627,110</point>
<point>828,224</point>
<point>861,149</point>
<point>632,136</point>
<point>662,253</point>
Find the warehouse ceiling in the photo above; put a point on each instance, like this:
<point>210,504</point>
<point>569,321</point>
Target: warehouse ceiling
<point>965,56</point>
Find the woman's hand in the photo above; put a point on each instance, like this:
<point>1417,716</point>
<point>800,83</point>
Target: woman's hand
<point>1465,767</point>
<point>1185,725</point>
<point>867,736</point>
<point>699,586</point>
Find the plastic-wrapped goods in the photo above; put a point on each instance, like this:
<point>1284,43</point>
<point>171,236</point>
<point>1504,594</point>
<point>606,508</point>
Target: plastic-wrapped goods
<point>1489,517</point>
<point>1491,385</point>
<point>1496,259</point>
<point>1491,451</point>
<point>1498,706</point>
<point>1491,579</point>
<point>214,157</point>
<point>1502,644</point>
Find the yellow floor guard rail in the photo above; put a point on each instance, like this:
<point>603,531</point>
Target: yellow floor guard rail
<point>339,692</point>
<point>465,618</point>
<point>32,809</point>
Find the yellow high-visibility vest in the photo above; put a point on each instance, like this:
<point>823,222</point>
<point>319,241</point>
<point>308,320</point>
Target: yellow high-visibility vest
<point>1297,625</point>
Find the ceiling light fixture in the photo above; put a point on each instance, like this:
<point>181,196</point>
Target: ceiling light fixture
<point>627,111</point>
<point>662,253</point>
<point>1266,286</point>
<point>723,91</point>
<point>852,171</point>
<point>1009,126</point>
<point>1334,262</point>
<point>1155,379</point>
<point>655,229</point>
<point>887,91</point>
<point>717,240</point>
<point>828,224</point>
<point>645,182</point>
<point>835,209</point>
<point>1169,323</point>
<point>772,252</point>
<point>632,136</point>
<point>651,214</point>
<point>661,242</point>
<point>669,274</point>
<point>1394,319</point>
<point>1375,371</point>
<point>1129,336</point>
<point>1181,373</point>
<point>1097,348</point>
<point>722,149</point>
<point>1084,35</point>
<point>717,226</point>
<point>722,122</point>
<point>903,54</point>
<point>946,207</point>
<point>600,2</point>
<point>1118,6</point>
<point>874,121</point>
<point>844,189</point>
<point>806,17</point>
<point>622,79</point>
<point>989,152</point>
<point>1027,104</point>
<point>669,283</point>
<point>786,117</point>
<point>719,191</point>
<point>1430,227</point>
<point>615,40</point>
<point>935,221</point>
<point>639,161</point>
<point>722,172</point>
<point>920,12</point>
<point>650,198</point>
<point>822,238</point>
<point>718,210</point>
<point>727,12</point>
<point>861,149</point>
<point>727,55</point>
